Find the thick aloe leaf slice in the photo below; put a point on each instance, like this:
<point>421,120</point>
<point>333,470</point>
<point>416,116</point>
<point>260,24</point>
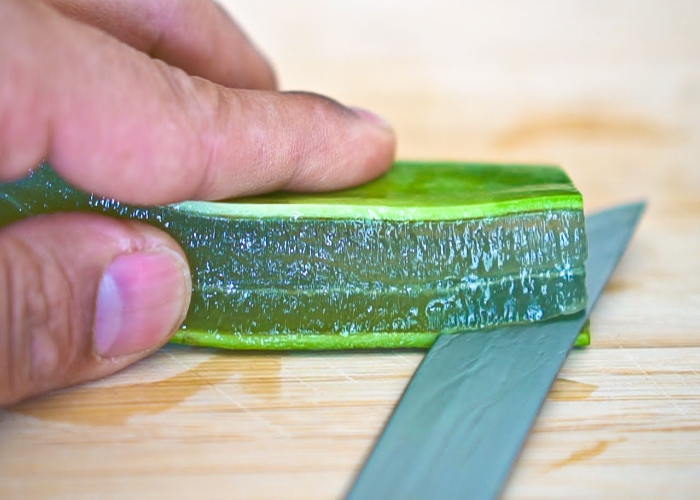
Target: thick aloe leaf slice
<point>429,248</point>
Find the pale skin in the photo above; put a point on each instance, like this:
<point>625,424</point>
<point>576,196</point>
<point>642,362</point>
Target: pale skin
<point>149,102</point>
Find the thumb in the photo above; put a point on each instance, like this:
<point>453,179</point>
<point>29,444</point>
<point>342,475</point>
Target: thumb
<point>83,296</point>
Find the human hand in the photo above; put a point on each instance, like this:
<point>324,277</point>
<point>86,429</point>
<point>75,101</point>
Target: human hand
<point>148,102</point>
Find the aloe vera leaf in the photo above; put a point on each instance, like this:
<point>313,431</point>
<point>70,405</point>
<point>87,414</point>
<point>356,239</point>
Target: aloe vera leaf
<point>426,249</point>
<point>584,337</point>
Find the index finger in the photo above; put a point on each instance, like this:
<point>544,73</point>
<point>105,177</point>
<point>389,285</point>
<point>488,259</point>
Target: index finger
<point>194,35</point>
<point>122,125</point>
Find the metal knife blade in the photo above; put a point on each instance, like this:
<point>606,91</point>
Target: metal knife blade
<point>470,405</point>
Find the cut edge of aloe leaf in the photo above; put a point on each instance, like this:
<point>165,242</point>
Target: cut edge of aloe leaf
<point>378,212</point>
<point>410,192</point>
<point>323,342</point>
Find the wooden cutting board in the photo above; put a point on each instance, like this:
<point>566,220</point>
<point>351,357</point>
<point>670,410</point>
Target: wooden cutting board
<point>610,91</point>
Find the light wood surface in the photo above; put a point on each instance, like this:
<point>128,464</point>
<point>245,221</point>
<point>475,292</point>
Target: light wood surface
<point>610,90</point>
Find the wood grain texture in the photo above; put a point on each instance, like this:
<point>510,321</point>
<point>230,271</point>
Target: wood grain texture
<point>609,90</point>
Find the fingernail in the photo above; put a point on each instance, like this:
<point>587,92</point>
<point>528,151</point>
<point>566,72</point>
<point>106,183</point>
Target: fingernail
<point>142,298</point>
<point>372,118</point>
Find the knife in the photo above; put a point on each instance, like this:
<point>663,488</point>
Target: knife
<point>468,409</point>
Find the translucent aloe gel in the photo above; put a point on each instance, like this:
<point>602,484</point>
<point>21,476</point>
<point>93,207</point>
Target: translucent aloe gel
<point>429,248</point>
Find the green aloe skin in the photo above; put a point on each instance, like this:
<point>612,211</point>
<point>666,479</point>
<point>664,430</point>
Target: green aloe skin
<point>429,248</point>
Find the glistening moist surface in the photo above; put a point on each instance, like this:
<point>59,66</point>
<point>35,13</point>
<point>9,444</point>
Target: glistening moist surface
<point>394,263</point>
<point>344,277</point>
